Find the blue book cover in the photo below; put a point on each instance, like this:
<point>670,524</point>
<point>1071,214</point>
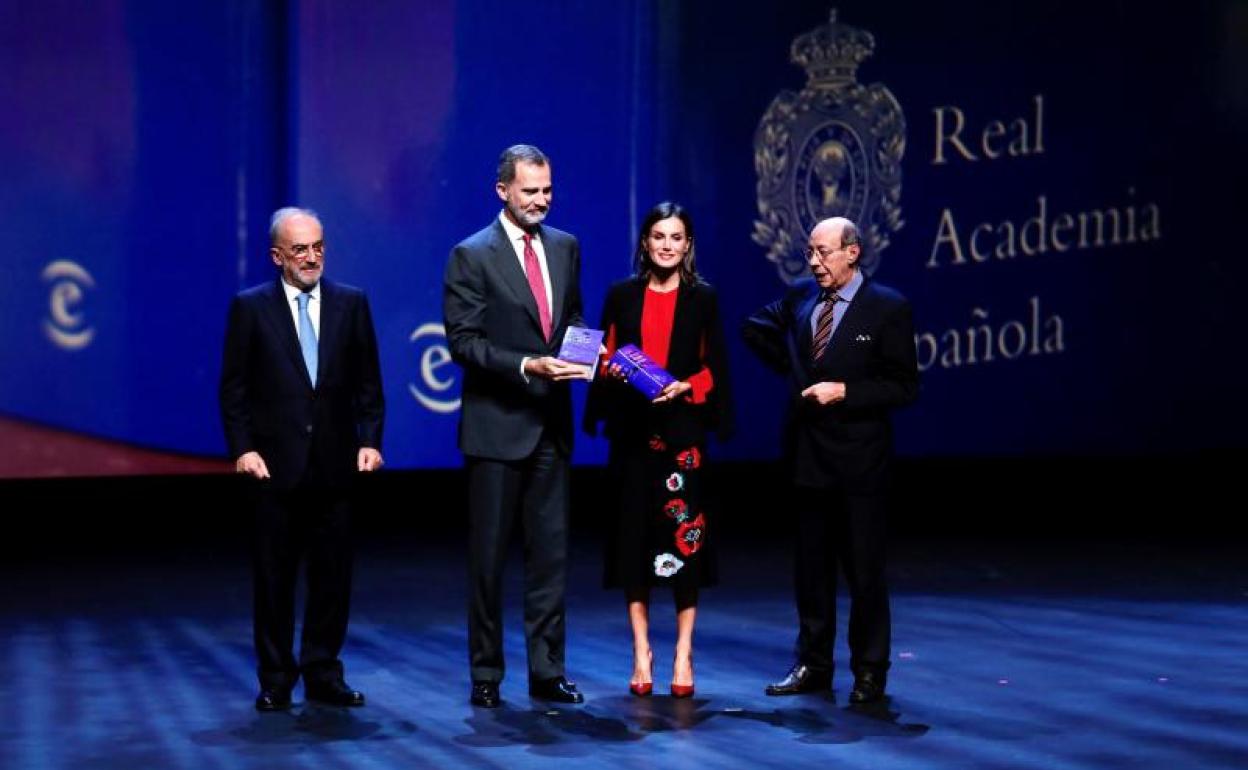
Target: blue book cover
<point>581,346</point>
<point>641,371</point>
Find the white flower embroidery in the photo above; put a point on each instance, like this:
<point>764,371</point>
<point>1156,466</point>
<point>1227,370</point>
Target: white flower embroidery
<point>666,565</point>
<point>675,482</point>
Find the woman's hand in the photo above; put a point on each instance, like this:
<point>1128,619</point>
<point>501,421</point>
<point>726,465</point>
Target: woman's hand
<point>673,391</point>
<point>615,372</point>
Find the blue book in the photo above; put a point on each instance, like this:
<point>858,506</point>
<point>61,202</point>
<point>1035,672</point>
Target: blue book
<point>641,371</point>
<point>581,347</point>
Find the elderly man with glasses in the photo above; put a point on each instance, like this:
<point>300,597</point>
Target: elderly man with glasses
<point>846,345</point>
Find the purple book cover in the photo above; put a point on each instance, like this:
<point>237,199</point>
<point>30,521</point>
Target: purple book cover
<point>641,371</point>
<point>581,346</point>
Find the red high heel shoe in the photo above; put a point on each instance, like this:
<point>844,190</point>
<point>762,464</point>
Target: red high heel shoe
<point>642,689</point>
<point>683,690</point>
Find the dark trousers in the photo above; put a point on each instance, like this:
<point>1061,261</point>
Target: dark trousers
<point>534,491</point>
<point>835,528</point>
<point>311,525</point>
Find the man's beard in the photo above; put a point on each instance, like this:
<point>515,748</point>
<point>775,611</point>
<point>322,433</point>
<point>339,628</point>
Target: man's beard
<point>526,219</point>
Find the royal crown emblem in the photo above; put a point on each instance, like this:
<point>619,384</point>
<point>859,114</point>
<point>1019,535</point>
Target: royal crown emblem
<point>834,149</point>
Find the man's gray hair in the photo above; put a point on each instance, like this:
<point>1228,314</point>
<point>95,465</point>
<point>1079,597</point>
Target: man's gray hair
<point>284,213</point>
<point>518,153</point>
<point>849,234</point>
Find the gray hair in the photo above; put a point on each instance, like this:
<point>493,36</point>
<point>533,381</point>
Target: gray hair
<point>849,234</point>
<point>518,153</point>
<point>284,213</point>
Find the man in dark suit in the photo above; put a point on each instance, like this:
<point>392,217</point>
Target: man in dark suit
<point>302,405</point>
<point>511,290</point>
<point>847,346</point>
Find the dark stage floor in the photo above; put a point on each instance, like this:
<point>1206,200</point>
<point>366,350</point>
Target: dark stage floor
<point>1037,656</point>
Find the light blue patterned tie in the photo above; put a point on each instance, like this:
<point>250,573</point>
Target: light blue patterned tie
<point>307,336</point>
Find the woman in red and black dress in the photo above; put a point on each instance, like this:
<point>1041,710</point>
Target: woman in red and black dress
<point>659,532</point>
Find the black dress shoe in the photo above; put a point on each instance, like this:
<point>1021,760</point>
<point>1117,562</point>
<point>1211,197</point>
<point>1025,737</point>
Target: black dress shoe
<point>868,688</point>
<point>334,693</point>
<point>273,699</point>
<point>557,689</point>
<point>801,678</point>
<point>485,695</point>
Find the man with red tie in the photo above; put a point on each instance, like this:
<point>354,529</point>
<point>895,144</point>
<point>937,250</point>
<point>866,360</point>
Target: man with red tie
<point>846,344</point>
<point>511,290</point>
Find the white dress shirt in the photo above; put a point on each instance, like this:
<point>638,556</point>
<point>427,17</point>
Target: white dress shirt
<point>314,306</point>
<point>516,236</point>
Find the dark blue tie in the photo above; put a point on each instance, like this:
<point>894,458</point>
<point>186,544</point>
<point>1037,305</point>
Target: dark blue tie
<point>307,337</point>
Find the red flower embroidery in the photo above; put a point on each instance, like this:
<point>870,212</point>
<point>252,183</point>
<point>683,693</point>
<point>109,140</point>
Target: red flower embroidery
<point>676,509</point>
<point>658,444</point>
<point>689,536</point>
<point>689,460</point>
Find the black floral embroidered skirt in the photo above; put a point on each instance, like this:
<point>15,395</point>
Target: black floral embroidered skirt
<point>659,532</point>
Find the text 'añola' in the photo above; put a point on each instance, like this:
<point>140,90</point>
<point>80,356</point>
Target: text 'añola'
<point>985,340</point>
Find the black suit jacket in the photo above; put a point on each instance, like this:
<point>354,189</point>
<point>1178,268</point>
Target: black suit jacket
<point>697,340</point>
<point>849,443</point>
<point>492,325</point>
<point>267,400</point>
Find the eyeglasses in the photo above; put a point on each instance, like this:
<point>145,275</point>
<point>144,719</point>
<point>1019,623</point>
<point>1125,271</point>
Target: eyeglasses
<point>300,251</point>
<point>811,251</point>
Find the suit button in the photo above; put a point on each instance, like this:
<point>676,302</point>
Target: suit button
<point>308,429</point>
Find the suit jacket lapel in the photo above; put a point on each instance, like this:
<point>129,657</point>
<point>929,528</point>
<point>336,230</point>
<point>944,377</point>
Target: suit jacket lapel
<point>840,340</point>
<point>683,334</point>
<point>508,266</point>
<point>331,327</point>
<point>278,315</point>
<point>629,330</point>
<point>556,265</point>
<point>837,343</point>
<point>803,336</point>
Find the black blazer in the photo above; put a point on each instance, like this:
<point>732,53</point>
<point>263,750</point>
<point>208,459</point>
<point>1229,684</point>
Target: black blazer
<point>267,400</point>
<point>626,412</point>
<point>849,443</point>
<point>492,325</point>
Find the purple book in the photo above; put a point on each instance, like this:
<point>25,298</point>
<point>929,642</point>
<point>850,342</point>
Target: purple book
<point>641,371</point>
<point>581,346</point>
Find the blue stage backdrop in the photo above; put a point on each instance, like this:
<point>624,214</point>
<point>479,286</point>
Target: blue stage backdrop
<point>1054,185</point>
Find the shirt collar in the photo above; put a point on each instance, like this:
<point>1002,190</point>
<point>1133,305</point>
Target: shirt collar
<point>514,231</point>
<point>847,292</point>
<point>294,291</point>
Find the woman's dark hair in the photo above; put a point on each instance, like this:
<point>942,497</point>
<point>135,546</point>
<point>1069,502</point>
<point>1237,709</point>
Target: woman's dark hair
<point>688,266</point>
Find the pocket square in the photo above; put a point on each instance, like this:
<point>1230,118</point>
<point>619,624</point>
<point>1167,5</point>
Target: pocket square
<point>862,338</point>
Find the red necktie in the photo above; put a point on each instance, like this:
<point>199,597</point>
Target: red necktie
<point>823,329</point>
<point>533,271</point>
